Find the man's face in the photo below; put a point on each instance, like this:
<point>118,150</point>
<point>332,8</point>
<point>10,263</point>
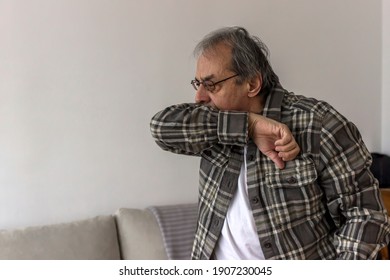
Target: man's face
<point>214,65</point>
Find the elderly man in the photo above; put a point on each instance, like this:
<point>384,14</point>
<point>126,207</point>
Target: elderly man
<point>282,176</point>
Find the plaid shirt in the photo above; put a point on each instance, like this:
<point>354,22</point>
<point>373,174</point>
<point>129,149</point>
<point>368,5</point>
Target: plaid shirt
<point>325,204</point>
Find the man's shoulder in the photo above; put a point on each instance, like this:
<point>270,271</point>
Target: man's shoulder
<point>306,104</point>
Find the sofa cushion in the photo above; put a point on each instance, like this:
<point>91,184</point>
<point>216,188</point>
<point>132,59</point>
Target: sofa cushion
<point>94,238</point>
<point>139,235</point>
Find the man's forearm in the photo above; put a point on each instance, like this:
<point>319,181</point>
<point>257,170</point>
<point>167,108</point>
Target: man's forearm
<point>190,128</point>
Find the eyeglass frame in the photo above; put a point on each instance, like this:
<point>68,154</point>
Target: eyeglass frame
<point>208,84</point>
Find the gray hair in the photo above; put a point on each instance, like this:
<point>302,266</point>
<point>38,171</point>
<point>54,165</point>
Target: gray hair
<point>249,54</point>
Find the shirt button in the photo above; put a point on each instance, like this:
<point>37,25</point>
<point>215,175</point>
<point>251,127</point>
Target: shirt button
<point>292,180</point>
<point>251,157</point>
<point>255,200</point>
<point>267,245</point>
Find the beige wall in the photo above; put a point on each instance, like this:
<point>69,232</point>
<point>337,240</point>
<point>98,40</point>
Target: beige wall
<point>80,80</point>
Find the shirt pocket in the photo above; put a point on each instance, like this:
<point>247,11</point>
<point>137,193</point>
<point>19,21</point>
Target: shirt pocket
<point>294,193</point>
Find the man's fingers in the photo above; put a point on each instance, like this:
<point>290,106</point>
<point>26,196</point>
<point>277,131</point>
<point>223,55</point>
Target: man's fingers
<point>287,147</point>
<point>289,150</point>
<point>276,159</point>
<point>289,155</point>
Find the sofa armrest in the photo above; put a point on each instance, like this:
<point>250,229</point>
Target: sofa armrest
<point>139,235</point>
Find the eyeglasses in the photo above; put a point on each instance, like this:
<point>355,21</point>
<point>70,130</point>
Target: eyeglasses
<point>208,85</point>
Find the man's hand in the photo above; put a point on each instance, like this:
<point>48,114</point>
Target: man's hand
<point>273,139</point>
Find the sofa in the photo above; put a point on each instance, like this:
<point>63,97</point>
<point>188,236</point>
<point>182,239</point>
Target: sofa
<point>154,233</point>
<point>128,234</point>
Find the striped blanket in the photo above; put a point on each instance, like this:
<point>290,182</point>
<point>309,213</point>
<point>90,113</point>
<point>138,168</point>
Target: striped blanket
<point>177,224</point>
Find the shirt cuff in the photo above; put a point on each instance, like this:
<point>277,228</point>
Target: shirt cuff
<point>233,128</point>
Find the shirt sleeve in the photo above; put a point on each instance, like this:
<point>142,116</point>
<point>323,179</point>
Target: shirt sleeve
<point>352,193</point>
<point>191,128</point>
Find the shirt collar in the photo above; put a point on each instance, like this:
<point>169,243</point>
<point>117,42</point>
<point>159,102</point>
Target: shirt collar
<point>273,103</point>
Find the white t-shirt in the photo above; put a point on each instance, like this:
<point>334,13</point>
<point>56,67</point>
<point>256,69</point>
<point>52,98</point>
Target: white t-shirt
<point>238,239</point>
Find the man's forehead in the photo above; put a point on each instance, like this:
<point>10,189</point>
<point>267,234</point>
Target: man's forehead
<point>213,64</point>
<point>208,69</point>
<point>206,78</point>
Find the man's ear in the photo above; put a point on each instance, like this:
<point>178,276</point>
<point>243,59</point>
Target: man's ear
<point>254,85</point>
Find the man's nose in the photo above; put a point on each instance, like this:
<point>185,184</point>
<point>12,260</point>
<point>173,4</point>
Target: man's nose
<point>202,95</point>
